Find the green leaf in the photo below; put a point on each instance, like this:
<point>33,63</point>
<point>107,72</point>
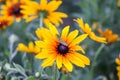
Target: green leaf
<point>7,53</point>
<point>18,67</point>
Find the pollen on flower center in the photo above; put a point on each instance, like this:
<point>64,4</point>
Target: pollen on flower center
<point>62,49</point>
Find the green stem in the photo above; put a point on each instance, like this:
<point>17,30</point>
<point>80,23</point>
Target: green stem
<point>55,72</point>
<point>40,70</point>
<point>41,19</point>
<point>94,60</point>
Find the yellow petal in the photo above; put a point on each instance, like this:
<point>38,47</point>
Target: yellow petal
<point>67,64</point>
<point>83,58</point>
<point>71,36</point>
<point>42,55</point>
<point>79,39</point>
<point>31,46</point>
<point>60,14</point>
<point>87,29</point>
<point>75,60</point>
<point>46,22</point>
<point>65,33</point>
<point>77,48</point>
<point>118,68</point>
<point>97,39</point>
<point>39,43</point>
<point>59,61</point>
<point>22,47</point>
<point>53,29</point>
<point>53,20</point>
<point>49,61</point>
<point>117,60</point>
<point>43,4</point>
<point>118,3</point>
<point>39,33</point>
<point>80,22</point>
<point>14,1</point>
<point>53,5</point>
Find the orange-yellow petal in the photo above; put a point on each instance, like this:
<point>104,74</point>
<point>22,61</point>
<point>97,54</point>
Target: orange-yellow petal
<point>67,64</point>
<point>79,39</point>
<point>65,33</point>
<point>59,61</point>
<point>49,61</point>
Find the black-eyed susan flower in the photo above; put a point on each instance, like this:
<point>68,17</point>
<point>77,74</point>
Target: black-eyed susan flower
<point>31,48</point>
<point>5,22</point>
<point>86,29</point>
<point>45,10</point>
<point>118,67</point>
<point>63,49</point>
<point>12,9</point>
<point>110,37</point>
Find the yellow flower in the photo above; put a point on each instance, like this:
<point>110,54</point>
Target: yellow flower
<point>12,9</point>
<point>110,37</point>
<point>5,22</point>
<point>46,9</point>
<point>118,67</point>
<point>30,49</point>
<point>86,29</point>
<point>62,49</point>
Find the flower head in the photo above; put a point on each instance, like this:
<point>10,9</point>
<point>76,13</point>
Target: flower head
<point>30,49</point>
<point>5,22</point>
<point>86,29</point>
<point>62,49</point>
<point>110,37</point>
<point>44,9</point>
<point>118,67</point>
<point>13,9</point>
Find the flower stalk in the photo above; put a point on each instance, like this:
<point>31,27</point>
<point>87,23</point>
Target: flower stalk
<point>94,60</point>
<point>55,72</point>
<point>41,19</point>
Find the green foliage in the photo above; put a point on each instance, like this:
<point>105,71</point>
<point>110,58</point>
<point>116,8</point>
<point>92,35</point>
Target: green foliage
<point>21,66</point>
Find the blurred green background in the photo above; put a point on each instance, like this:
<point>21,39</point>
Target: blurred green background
<point>104,12</point>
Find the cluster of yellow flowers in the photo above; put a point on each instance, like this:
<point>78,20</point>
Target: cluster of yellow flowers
<point>53,46</point>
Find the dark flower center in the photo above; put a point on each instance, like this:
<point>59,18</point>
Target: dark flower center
<point>15,10</point>
<point>62,49</point>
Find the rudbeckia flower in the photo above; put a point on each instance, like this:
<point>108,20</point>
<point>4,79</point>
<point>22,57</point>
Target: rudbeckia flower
<point>5,22</point>
<point>12,9</point>
<point>45,10</point>
<point>31,48</point>
<point>61,48</point>
<point>118,67</point>
<point>110,37</point>
<point>86,29</point>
